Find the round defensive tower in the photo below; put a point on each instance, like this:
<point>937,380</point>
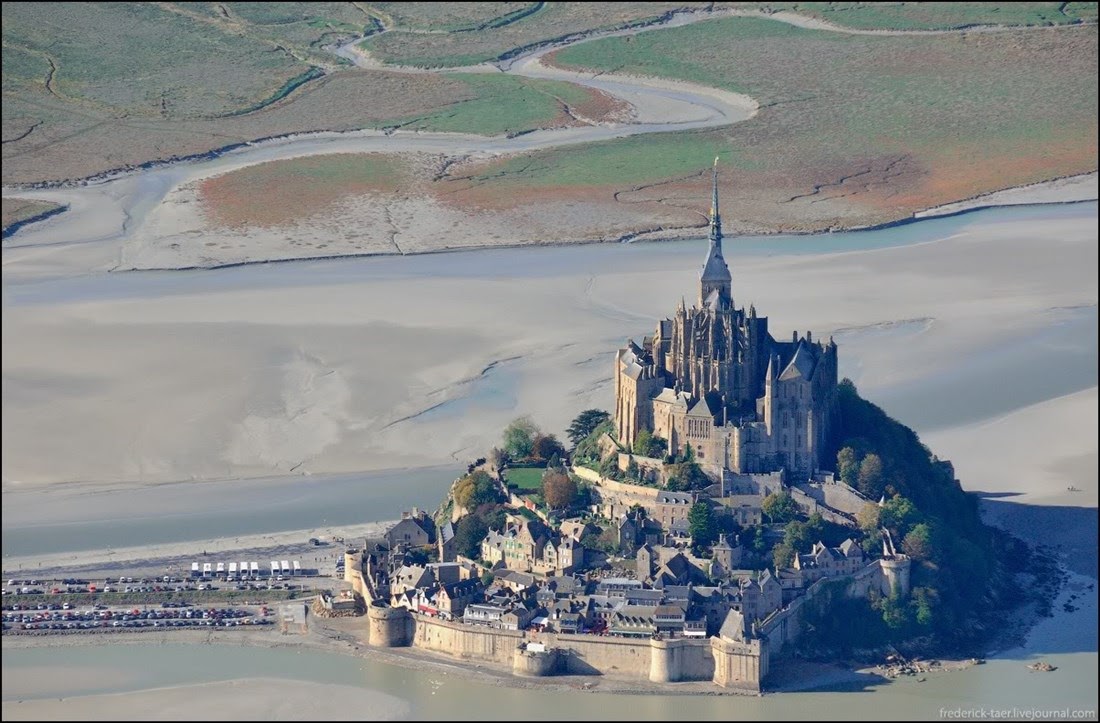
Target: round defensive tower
<point>388,626</point>
<point>895,575</point>
<point>534,663</point>
<point>353,560</point>
<point>664,661</point>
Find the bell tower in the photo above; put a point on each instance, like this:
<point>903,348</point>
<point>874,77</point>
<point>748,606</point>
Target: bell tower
<point>715,284</point>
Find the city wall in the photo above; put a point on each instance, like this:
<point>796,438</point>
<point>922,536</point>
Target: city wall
<point>811,505</point>
<point>835,495</point>
<point>882,576</point>
<point>464,641</point>
<point>618,497</point>
<point>658,661</point>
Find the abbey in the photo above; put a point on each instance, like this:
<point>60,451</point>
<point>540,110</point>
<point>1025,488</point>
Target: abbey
<point>713,377</point>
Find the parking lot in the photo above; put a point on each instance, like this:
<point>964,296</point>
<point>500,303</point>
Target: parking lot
<point>65,617</point>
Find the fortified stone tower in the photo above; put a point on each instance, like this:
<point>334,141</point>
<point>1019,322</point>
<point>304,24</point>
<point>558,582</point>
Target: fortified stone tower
<point>740,658</point>
<point>353,566</point>
<point>895,567</point>
<point>895,575</point>
<point>664,661</point>
<point>389,627</point>
<point>533,663</point>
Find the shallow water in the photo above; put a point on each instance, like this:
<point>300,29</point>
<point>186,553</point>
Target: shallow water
<point>177,513</point>
<point>438,695</point>
<point>525,262</point>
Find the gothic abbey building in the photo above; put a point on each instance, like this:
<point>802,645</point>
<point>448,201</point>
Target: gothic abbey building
<point>713,377</point>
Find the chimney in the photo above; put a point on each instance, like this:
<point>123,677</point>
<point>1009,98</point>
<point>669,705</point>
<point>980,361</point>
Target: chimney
<point>794,336</point>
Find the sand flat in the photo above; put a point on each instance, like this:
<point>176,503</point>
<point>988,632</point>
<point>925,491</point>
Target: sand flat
<point>1035,454</point>
<point>375,364</point>
<point>241,699</point>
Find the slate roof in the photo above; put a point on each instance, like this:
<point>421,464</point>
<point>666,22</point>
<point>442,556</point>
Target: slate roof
<point>715,269</point>
<point>801,364</point>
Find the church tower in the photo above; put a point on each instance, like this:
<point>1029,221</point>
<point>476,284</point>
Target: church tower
<point>715,283</point>
<point>712,376</point>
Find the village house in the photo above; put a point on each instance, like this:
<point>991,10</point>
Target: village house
<point>516,548</point>
<point>415,529</point>
<point>823,561</point>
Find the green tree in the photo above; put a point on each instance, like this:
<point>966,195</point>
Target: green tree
<point>416,555</point>
<point>923,602</point>
<point>898,515</point>
<point>633,471</point>
<point>783,555</point>
<point>588,450</point>
<point>780,507</point>
<point>675,484</point>
<point>519,438</point>
<point>847,466</point>
<point>894,612</point>
<point>609,467</point>
<point>585,423</point>
<point>872,543</point>
<point>917,543</point>
<point>658,447</point>
<point>469,533</point>
<point>495,519</point>
<point>798,536</point>
<point>647,444</point>
<point>558,489</point>
<point>702,526</point>
<point>870,480</point>
<point>546,446</point>
<point>476,489</point>
<point>759,541</point>
<point>685,476</point>
<point>869,517</point>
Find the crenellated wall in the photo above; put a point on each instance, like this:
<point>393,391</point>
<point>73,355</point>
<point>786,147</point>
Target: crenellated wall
<point>739,664</point>
<point>639,659</point>
<point>465,641</point>
<point>879,576</point>
<point>681,659</point>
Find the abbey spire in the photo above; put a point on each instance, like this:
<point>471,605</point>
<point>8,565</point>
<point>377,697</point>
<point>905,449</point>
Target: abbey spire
<point>715,283</point>
<point>715,217</point>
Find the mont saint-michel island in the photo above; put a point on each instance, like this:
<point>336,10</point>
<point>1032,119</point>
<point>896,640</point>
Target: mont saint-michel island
<point>697,533</point>
<point>541,360</point>
<point>739,517</point>
<point>642,551</point>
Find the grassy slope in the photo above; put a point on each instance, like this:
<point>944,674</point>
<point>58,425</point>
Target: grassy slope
<point>501,104</point>
<point>279,192</point>
<point>914,120</point>
<point>553,21</point>
<point>95,54</point>
<point>526,478</point>
<point>98,114</point>
<point>939,15</point>
<point>450,16</point>
<point>482,36</point>
<point>77,144</point>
